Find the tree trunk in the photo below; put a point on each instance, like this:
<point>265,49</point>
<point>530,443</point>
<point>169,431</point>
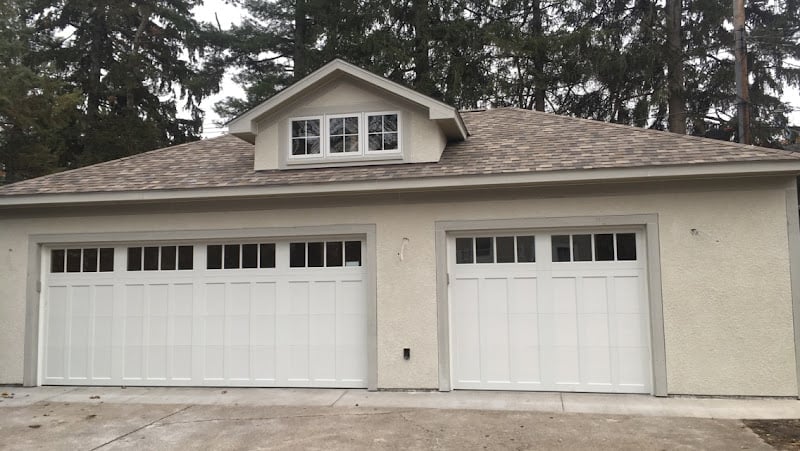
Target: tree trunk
<point>94,95</point>
<point>537,28</point>
<point>675,84</point>
<point>299,56</point>
<point>422,64</point>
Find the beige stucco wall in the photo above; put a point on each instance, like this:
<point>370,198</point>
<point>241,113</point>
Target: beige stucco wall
<point>726,288</point>
<point>421,139</point>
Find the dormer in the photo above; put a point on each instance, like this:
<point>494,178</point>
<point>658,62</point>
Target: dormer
<point>342,115</point>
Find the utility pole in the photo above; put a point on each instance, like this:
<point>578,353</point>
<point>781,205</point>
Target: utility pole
<point>742,80</point>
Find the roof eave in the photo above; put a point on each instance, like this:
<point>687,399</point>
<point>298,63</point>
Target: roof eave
<point>579,176</point>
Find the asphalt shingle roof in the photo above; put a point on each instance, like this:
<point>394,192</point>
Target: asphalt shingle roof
<point>505,140</point>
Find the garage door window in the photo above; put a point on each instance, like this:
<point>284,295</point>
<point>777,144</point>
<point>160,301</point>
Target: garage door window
<point>594,247</point>
<point>240,256</point>
<point>324,254</point>
<point>82,260</point>
<point>164,258</point>
<point>500,249</point>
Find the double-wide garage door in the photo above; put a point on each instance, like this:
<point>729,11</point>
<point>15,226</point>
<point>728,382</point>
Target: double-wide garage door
<point>549,311</point>
<point>236,313</point>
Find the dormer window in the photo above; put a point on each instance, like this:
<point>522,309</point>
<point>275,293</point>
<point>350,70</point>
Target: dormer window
<point>383,132</point>
<point>334,136</point>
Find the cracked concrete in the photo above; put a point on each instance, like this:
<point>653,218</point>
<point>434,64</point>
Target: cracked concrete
<point>101,418</point>
<point>100,426</point>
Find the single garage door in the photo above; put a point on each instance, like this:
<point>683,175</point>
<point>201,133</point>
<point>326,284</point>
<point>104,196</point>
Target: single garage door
<point>228,313</point>
<point>560,311</point>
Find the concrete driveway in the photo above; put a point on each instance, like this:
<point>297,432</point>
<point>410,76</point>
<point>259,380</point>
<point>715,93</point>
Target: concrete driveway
<point>113,418</point>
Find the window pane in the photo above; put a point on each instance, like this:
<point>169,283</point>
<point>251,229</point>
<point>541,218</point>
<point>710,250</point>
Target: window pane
<point>582,248</point>
<point>297,255</point>
<point>106,259</point>
<point>312,127</point>
<point>626,246</point>
<point>134,259</point>
<point>375,124</point>
<point>169,258</point>
<point>390,123</point>
<point>57,260</point>
<point>390,141</point>
<point>351,125</point>
<point>526,249</point>
<point>316,253</point>
<point>604,247</point>
<point>90,260</point>
<point>352,253</point>
<point>231,256</point>
<point>214,256</point>
<point>73,260</point>
<point>336,126</point>
<point>267,255</point>
<point>560,245</point>
<point>337,144</point>
<point>313,146</point>
<point>351,143</point>
<point>333,253</point>
<point>249,256</point>
<point>464,251</point>
<point>376,141</point>
<point>484,250</point>
<point>505,249</point>
<point>185,257</point>
<point>151,258</point>
<point>298,128</point>
<point>298,146</point>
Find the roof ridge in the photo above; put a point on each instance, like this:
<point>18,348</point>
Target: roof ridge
<point>648,131</point>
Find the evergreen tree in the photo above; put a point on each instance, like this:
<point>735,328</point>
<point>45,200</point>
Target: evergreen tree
<point>137,63</point>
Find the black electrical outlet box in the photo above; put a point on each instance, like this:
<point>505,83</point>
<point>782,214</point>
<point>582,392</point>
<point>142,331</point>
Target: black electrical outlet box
<point>407,353</point>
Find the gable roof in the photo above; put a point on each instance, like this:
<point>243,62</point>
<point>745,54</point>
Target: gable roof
<point>507,146</point>
<point>245,125</point>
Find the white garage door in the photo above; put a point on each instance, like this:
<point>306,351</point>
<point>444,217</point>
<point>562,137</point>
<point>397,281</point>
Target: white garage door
<point>256,313</point>
<point>550,311</point>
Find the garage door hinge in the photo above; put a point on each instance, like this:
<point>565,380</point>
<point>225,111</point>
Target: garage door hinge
<point>38,286</point>
<point>448,278</point>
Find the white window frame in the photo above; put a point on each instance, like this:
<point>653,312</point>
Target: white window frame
<point>327,131</point>
<point>399,133</point>
<point>363,153</point>
<point>322,137</point>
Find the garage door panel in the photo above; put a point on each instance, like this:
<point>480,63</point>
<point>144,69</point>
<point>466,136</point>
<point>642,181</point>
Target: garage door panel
<point>267,326</point>
<point>544,325</point>
<point>523,295</point>
<point>596,365</point>
<point>594,295</point>
<point>466,330</point>
<point>264,298</point>
<point>627,294</point>
<point>564,295</point>
<point>214,363</point>
<point>298,300</point>
<point>593,330</point>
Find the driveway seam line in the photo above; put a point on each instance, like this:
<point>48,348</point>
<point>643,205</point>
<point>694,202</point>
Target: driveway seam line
<point>561,395</point>
<point>344,392</point>
<point>142,427</point>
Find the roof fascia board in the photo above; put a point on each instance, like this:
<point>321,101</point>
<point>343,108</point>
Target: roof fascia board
<point>716,170</point>
<point>247,122</point>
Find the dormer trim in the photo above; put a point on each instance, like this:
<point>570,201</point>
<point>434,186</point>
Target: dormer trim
<point>448,118</point>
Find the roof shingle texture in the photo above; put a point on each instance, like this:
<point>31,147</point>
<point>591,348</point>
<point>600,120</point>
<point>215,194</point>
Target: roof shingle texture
<point>505,140</point>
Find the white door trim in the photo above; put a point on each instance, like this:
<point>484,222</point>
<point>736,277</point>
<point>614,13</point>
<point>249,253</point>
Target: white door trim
<point>648,221</point>
<point>34,292</point>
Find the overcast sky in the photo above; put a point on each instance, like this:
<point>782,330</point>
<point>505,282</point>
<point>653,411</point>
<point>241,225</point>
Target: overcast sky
<point>228,15</point>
